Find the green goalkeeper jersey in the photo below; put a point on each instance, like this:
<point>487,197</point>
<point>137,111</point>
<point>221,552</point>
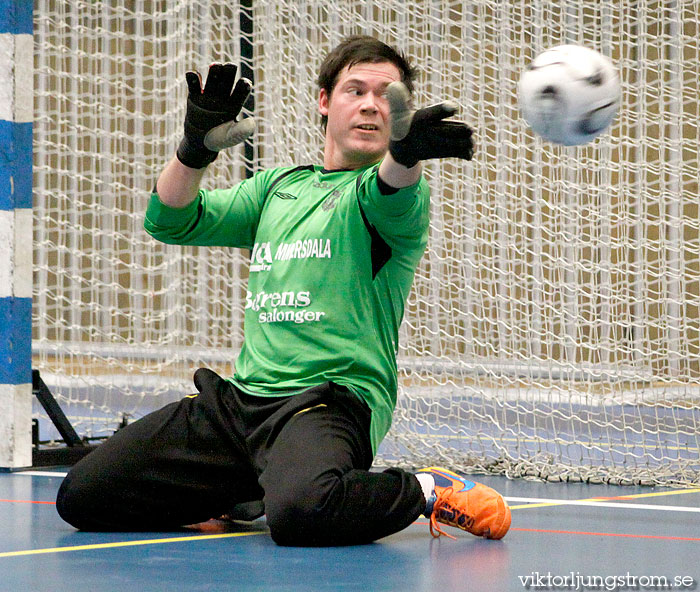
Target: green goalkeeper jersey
<point>332,262</point>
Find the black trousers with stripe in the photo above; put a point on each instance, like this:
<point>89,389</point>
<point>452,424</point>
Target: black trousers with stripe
<point>307,457</point>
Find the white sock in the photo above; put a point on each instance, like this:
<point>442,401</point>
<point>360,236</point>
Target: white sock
<point>427,483</point>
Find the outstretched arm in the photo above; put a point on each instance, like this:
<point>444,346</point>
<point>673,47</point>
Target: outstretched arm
<point>178,185</point>
<point>210,126</point>
<point>420,135</point>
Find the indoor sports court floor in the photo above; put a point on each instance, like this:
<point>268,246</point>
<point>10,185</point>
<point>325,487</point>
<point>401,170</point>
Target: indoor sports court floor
<point>563,537</point>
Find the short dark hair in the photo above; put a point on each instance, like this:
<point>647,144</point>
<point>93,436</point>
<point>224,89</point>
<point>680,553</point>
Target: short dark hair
<point>359,49</point>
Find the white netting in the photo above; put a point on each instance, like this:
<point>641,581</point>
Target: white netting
<point>553,328</point>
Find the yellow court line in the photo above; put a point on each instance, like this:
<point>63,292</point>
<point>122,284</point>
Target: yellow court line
<point>546,505</point>
<point>128,544</point>
<point>520,507</point>
<point>602,499</point>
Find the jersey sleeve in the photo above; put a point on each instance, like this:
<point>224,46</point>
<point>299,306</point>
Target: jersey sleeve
<point>400,216</point>
<point>216,218</point>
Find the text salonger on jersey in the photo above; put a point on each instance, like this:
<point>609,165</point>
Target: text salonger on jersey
<point>286,299</point>
<point>314,248</point>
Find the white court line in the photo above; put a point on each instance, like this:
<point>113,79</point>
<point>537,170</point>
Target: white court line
<point>561,502</point>
<point>40,474</point>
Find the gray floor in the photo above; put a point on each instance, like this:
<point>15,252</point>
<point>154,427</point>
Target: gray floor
<point>649,534</point>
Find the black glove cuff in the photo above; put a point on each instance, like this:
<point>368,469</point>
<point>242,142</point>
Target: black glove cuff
<point>195,156</point>
<point>403,154</point>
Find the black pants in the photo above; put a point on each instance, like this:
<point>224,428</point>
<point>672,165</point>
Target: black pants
<point>306,456</point>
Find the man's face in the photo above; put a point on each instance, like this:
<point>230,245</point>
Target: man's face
<point>357,133</point>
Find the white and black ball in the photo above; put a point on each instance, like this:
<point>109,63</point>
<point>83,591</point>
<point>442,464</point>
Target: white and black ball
<point>569,95</point>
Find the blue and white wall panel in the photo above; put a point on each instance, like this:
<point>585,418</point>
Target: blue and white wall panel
<point>16,102</point>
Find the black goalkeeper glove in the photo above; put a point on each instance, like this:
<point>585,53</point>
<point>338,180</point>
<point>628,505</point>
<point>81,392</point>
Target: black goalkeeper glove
<point>423,134</point>
<point>210,120</point>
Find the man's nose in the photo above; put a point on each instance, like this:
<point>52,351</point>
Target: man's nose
<point>369,102</point>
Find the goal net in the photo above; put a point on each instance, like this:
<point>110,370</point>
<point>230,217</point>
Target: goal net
<point>553,329</point>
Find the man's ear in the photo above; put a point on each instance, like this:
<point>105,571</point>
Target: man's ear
<point>323,102</point>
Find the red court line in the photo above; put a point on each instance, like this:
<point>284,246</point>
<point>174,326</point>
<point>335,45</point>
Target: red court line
<point>608,534</point>
<point>25,502</point>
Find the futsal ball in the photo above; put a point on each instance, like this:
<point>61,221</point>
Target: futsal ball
<point>569,95</point>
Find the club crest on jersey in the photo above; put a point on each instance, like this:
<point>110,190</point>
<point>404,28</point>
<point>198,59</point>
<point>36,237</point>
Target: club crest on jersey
<point>330,201</point>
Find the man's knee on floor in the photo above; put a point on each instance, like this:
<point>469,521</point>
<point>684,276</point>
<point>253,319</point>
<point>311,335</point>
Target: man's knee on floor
<point>68,502</point>
<point>297,517</point>
<point>82,504</point>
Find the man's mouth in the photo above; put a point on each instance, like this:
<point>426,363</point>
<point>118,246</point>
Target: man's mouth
<point>369,127</point>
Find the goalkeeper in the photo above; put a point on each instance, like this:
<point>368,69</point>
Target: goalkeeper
<point>334,248</point>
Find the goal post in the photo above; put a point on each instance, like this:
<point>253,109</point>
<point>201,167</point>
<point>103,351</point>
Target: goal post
<point>553,329</point>
<point>16,97</point>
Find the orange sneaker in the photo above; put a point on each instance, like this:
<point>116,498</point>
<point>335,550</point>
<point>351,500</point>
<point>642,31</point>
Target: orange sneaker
<point>471,506</point>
